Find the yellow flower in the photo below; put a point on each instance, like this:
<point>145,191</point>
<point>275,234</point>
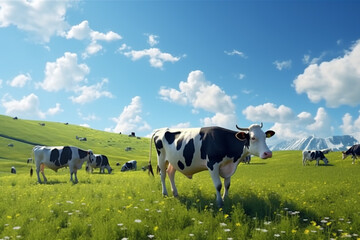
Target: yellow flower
<point>328,223</point>
<point>293,231</point>
<point>313,223</point>
<point>156,228</point>
<point>306,231</point>
<point>238,224</point>
<point>9,217</point>
<point>226,216</point>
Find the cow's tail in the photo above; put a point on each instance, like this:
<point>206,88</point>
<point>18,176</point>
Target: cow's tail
<point>32,161</point>
<point>150,169</point>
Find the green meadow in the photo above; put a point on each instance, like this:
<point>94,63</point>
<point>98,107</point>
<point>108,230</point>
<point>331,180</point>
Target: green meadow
<point>277,198</point>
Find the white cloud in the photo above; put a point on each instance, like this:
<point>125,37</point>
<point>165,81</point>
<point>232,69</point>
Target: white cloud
<point>152,40</point>
<point>41,18</point>
<point>236,52</point>
<point>287,124</point>
<point>83,31</point>
<point>130,119</point>
<point>336,81</point>
<point>28,106</point>
<point>349,125</point>
<point>308,60</point>
<point>20,80</point>
<point>282,65</point>
<point>156,57</point>
<point>201,94</point>
<point>1,83</point>
<point>91,93</point>
<point>65,73</point>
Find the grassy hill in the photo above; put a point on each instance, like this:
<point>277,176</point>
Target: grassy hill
<point>24,134</point>
<point>277,198</point>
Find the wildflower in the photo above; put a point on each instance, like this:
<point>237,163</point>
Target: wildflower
<point>227,230</point>
<point>238,224</point>
<point>293,231</point>
<point>156,228</point>
<point>276,235</point>
<point>264,230</point>
<point>120,224</point>
<point>313,223</point>
<point>137,220</point>
<point>9,217</point>
<point>267,222</point>
<point>223,224</point>
<point>150,236</point>
<point>226,216</point>
<point>16,228</point>
<point>328,223</point>
<point>191,234</point>
<point>306,231</point>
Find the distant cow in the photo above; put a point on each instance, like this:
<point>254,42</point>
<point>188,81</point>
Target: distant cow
<point>59,157</point>
<point>215,149</point>
<point>101,161</point>
<point>314,155</point>
<point>354,151</point>
<point>130,165</point>
<point>13,170</point>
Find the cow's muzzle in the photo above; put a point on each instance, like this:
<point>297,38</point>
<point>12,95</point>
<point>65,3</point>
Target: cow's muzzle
<point>266,155</point>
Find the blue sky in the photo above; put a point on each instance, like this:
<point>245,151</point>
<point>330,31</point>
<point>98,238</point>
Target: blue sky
<point>126,66</point>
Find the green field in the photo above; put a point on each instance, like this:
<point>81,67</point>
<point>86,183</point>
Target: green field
<point>277,198</point>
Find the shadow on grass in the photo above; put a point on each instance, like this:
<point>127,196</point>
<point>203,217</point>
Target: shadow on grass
<point>264,208</point>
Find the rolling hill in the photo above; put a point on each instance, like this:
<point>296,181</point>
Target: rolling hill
<point>18,137</point>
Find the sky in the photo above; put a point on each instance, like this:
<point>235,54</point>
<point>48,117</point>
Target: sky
<point>136,66</point>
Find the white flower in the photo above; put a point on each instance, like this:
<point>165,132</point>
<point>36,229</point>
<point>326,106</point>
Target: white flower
<point>137,220</point>
<point>16,228</point>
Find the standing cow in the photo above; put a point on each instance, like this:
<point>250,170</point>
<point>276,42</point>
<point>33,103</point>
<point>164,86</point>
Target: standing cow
<point>354,151</point>
<point>101,161</point>
<point>215,149</point>
<point>59,157</point>
<point>314,155</point>
<point>130,165</point>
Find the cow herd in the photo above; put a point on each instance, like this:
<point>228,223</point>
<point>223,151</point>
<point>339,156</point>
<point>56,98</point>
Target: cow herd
<point>189,151</point>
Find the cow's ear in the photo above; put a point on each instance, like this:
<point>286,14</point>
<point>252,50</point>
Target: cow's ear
<point>269,133</point>
<point>242,136</point>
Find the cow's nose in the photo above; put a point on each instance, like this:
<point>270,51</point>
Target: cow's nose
<point>266,155</point>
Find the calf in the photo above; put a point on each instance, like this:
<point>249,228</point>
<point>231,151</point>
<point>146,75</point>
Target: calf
<point>354,151</point>
<point>59,157</point>
<point>101,161</point>
<point>215,149</point>
<point>314,155</point>
<point>130,165</point>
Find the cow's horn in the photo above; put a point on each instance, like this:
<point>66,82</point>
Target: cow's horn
<point>261,125</point>
<point>242,129</point>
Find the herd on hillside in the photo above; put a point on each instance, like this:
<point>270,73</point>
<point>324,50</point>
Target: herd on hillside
<point>188,151</point>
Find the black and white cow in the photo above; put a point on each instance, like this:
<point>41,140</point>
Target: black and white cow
<point>215,149</point>
<point>101,161</point>
<point>130,165</point>
<point>13,170</point>
<point>314,155</point>
<point>354,151</point>
<point>59,157</point>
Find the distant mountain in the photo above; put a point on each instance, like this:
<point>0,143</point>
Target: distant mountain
<point>336,143</point>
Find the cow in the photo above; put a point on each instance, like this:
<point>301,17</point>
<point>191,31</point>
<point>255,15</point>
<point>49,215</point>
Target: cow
<point>130,165</point>
<point>354,151</point>
<point>313,155</point>
<point>215,149</point>
<point>13,170</point>
<point>59,157</point>
<point>101,161</point>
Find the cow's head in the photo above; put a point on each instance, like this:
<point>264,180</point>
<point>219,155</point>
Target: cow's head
<point>255,140</point>
<point>92,157</point>
<point>344,155</point>
<point>326,161</point>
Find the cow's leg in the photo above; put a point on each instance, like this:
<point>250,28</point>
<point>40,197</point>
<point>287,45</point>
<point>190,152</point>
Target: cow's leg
<point>317,161</point>
<point>227,186</point>
<point>162,167</point>
<point>217,183</point>
<point>38,172</point>
<point>304,161</point>
<point>171,173</point>
<point>353,157</point>
<point>42,166</point>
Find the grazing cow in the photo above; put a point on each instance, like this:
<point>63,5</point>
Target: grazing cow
<point>215,149</point>
<point>314,155</point>
<point>101,161</point>
<point>130,165</point>
<point>13,170</point>
<point>354,151</point>
<point>59,157</point>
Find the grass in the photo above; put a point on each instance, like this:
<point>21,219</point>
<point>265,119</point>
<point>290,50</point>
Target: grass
<point>276,198</point>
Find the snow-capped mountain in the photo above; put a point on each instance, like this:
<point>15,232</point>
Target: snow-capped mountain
<point>335,143</point>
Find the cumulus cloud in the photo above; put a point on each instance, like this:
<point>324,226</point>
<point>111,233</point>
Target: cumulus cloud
<point>336,81</point>
<point>350,126</point>
<point>152,40</point>
<point>130,119</point>
<point>41,18</point>
<point>280,65</point>
<point>201,94</point>
<point>28,106</point>
<point>156,57</point>
<point>287,124</point>
<point>20,80</point>
<point>91,93</point>
<point>64,73</point>
<point>83,31</point>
